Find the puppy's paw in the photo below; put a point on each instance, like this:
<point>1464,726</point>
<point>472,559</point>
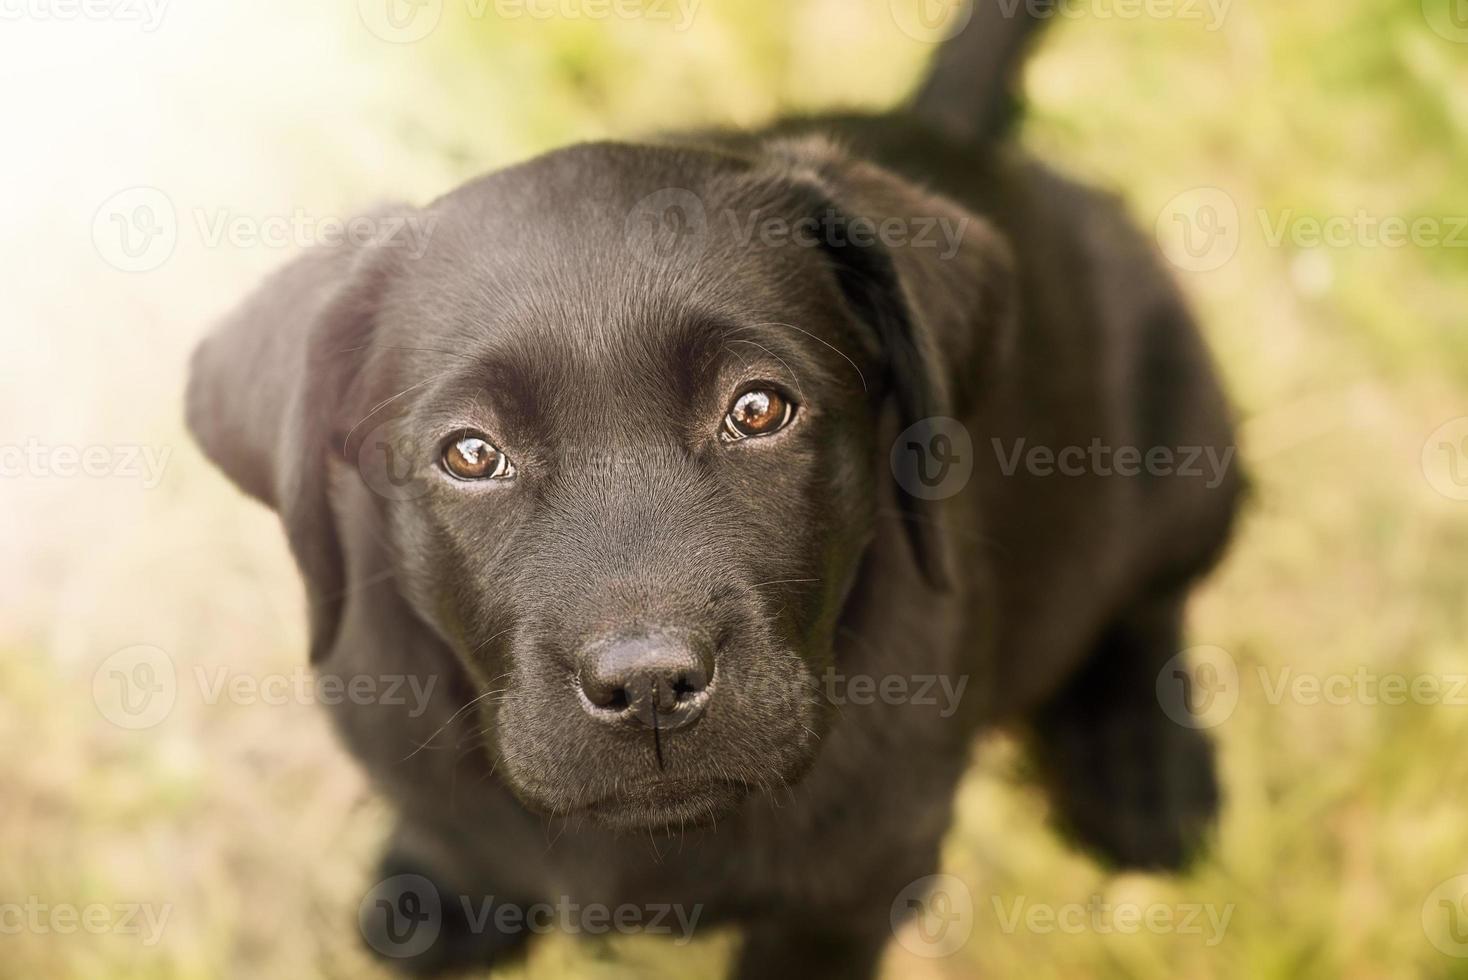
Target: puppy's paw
<point>420,927</point>
<point>1137,790</point>
<point>1129,782</point>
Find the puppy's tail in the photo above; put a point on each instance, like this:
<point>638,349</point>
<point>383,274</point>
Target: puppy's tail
<point>969,89</point>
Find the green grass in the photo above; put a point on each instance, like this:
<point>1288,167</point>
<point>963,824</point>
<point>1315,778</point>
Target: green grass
<point>1340,819</point>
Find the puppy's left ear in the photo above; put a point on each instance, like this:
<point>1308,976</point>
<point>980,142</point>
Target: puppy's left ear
<point>272,386</point>
<point>933,283</point>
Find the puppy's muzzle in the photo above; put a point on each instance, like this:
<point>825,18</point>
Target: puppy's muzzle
<point>660,680</point>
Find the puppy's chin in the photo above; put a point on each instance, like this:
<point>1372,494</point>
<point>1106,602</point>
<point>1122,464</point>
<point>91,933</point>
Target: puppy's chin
<point>683,807</point>
<point>662,805</point>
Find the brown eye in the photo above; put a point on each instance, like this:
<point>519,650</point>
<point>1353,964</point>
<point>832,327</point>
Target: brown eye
<point>757,413</point>
<point>473,458</point>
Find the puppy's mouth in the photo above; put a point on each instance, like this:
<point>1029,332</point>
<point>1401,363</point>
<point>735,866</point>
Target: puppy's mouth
<point>658,804</point>
<point>683,807</point>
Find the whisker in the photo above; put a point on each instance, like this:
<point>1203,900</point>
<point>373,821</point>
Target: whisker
<point>779,323</point>
<point>783,581</point>
<point>449,722</point>
<point>486,642</point>
<point>420,350</point>
<point>384,403</point>
<point>793,376</point>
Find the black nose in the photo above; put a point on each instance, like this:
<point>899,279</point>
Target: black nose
<point>659,679</point>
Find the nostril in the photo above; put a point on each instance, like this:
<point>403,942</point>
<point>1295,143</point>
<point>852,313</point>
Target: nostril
<point>688,683</point>
<point>616,701</point>
<point>660,680</point>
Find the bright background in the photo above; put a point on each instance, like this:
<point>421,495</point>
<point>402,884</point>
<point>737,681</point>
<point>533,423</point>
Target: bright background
<point>255,831</point>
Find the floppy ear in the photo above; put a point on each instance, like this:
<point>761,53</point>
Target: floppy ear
<point>937,293</point>
<point>269,390</point>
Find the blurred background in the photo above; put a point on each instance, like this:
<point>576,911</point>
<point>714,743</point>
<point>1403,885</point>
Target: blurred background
<point>1302,165</point>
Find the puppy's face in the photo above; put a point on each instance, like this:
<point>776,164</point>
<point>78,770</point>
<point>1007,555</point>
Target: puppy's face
<point>647,460</point>
<point>621,410</point>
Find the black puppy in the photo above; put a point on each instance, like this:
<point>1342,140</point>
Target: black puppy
<point>722,490</point>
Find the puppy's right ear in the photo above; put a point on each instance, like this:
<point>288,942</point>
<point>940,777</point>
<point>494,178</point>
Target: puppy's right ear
<point>273,384</point>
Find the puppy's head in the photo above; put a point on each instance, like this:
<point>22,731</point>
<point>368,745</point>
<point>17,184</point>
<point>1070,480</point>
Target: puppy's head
<point>625,411</point>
